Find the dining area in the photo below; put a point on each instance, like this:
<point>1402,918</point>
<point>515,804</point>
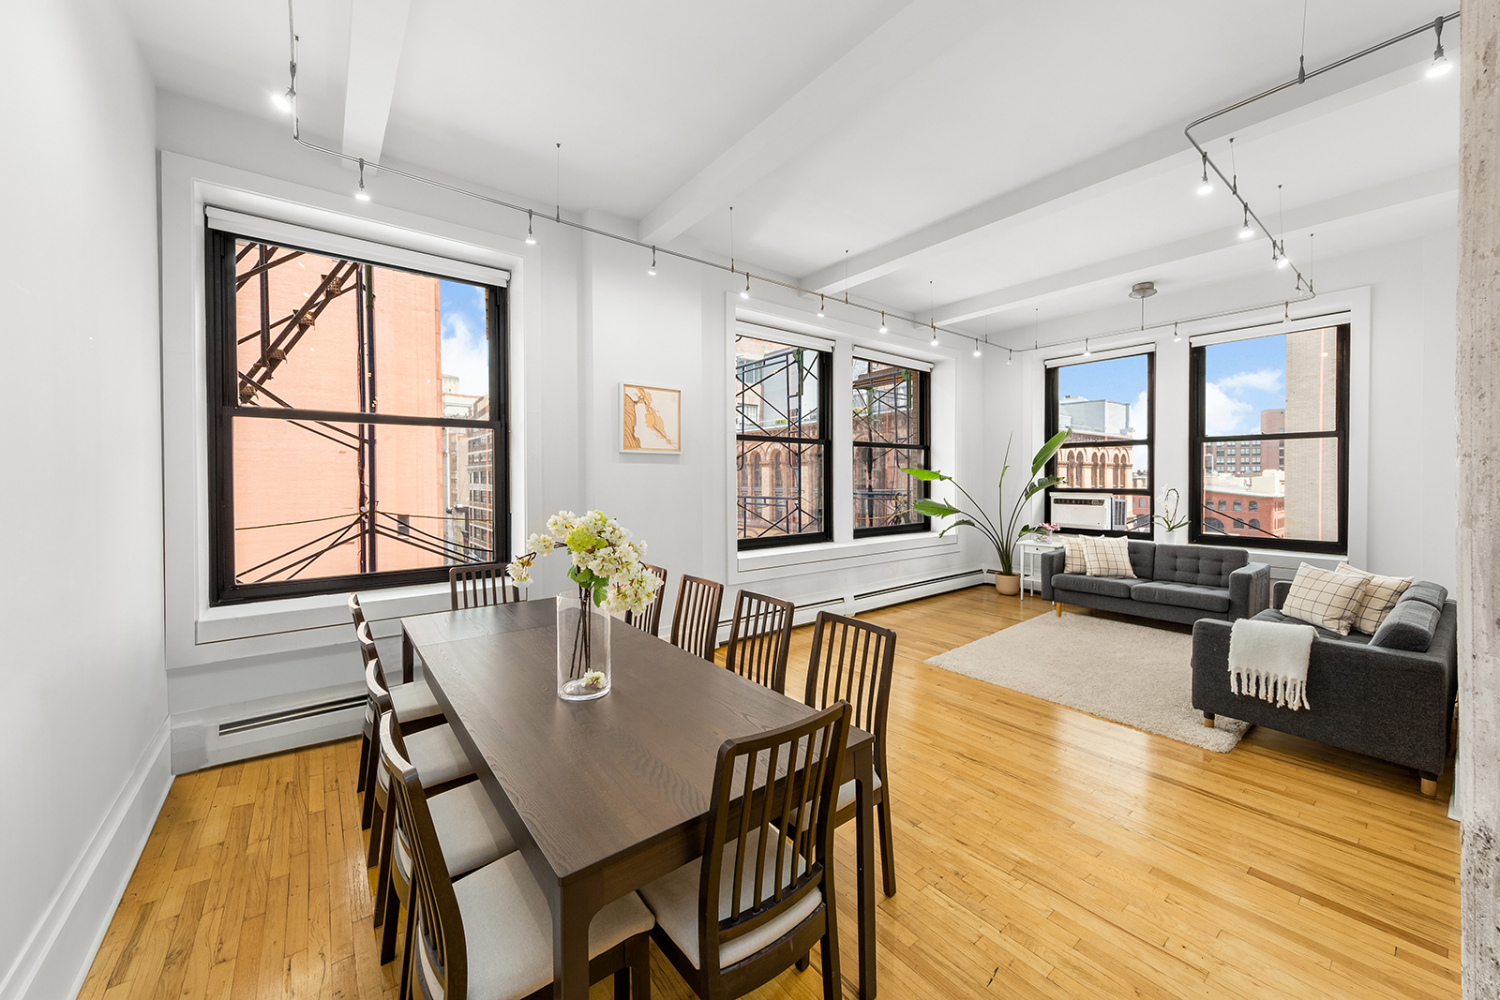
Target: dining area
<point>529,835</point>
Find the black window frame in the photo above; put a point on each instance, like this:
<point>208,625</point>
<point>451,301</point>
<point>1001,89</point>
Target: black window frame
<point>1198,440</point>
<point>824,438</point>
<point>224,406</point>
<point>1149,442</point>
<point>924,423</point>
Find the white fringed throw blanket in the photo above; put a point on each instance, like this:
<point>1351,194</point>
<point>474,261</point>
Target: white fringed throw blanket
<point>1268,660</point>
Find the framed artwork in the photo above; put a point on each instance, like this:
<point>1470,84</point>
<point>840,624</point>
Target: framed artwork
<point>650,419</point>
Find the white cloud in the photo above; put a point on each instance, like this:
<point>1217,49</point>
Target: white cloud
<point>1223,414</point>
<point>465,354</point>
<point>1138,414</point>
<point>1262,380</point>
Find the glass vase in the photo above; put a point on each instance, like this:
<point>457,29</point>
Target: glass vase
<point>582,648</point>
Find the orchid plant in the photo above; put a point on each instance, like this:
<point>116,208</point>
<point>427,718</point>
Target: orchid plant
<point>1171,502</point>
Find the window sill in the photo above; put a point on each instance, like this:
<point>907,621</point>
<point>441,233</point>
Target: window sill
<point>839,554</point>
<point>320,611</point>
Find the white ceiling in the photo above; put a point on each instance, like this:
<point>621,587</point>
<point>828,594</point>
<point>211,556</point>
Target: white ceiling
<point>976,159</point>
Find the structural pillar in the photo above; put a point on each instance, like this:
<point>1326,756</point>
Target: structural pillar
<point>1478,595</point>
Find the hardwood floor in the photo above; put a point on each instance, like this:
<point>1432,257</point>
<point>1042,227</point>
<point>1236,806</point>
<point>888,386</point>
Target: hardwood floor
<point>1040,852</point>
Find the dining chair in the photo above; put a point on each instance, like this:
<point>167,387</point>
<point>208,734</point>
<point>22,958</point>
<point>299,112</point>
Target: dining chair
<point>853,660</point>
<point>367,733</point>
<point>469,829</point>
<point>762,894</point>
<point>648,619</point>
<point>479,586</point>
<point>502,910</point>
<point>414,704</point>
<point>695,620</point>
<point>760,638</point>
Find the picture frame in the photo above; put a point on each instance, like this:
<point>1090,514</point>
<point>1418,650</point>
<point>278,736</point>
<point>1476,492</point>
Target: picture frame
<point>650,419</point>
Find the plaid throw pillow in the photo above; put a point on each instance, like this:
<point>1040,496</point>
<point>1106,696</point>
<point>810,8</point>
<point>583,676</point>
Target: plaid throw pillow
<point>1378,599</point>
<point>1108,557</point>
<point>1324,598</point>
<point>1076,562</point>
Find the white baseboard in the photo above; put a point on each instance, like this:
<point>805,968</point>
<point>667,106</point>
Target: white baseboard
<point>55,960</point>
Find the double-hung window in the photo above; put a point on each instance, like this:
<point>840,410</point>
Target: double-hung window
<point>1288,394</point>
<point>892,432</point>
<point>357,418</point>
<point>1105,465</point>
<point>784,452</point>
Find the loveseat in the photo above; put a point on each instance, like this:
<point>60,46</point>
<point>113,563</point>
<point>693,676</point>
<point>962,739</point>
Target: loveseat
<point>1175,583</point>
<point>1392,703</point>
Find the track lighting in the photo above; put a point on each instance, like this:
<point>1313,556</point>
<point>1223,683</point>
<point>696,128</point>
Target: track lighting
<point>362,194</point>
<point>652,269</point>
<point>934,335</point>
<point>531,237</point>
<point>1206,186</point>
<point>1176,337</point>
<point>820,307</point>
<point>883,327</point>
<point>1009,355</point>
<point>746,293</point>
<point>1278,255</point>
<point>1440,64</point>
<point>977,351</point>
<point>1245,231</point>
<point>283,102</point>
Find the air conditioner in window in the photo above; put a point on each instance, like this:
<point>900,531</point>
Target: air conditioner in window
<point>1087,511</point>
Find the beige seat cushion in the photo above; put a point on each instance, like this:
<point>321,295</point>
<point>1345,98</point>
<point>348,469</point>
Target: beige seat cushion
<point>846,797</point>
<point>414,702</point>
<point>469,830</point>
<point>508,931</point>
<point>436,755</point>
<point>674,900</point>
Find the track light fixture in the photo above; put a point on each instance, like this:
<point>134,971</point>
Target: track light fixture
<point>934,334</point>
<point>1009,355</point>
<point>531,237</point>
<point>283,102</point>
<point>1440,64</point>
<point>883,327</point>
<point>1176,337</point>
<point>820,307</point>
<point>652,269</point>
<point>362,194</point>
<point>977,351</point>
<point>746,293</point>
<point>1245,231</point>
<point>1206,186</point>
<point>1278,254</point>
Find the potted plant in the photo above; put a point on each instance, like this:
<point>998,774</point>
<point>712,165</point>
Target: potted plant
<point>1005,538</point>
<point>1176,527</point>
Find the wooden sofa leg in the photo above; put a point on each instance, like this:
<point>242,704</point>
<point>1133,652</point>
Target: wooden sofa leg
<point>1058,608</point>
<point>1208,720</point>
<point>1429,784</point>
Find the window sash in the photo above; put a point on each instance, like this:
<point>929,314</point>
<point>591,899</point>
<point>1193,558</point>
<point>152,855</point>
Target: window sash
<point>923,444</point>
<point>823,440</point>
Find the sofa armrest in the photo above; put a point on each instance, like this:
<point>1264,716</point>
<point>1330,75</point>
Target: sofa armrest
<point>1279,590</point>
<point>1249,590</point>
<point>1050,564</point>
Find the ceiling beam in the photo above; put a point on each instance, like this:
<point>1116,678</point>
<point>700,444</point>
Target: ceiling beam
<point>1153,153</point>
<point>377,31</point>
<point>917,34</point>
<point>1364,202</point>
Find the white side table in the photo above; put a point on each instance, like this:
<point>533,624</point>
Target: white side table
<point>1031,562</point>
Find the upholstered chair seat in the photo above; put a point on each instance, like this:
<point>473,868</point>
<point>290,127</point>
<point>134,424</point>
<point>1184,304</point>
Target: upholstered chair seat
<point>469,828</point>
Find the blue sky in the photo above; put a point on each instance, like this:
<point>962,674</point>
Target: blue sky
<point>465,348</point>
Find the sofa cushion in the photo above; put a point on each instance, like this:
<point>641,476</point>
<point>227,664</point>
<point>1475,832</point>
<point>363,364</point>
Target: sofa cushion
<point>1073,546</point>
<point>1182,595</point>
<point>1409,626</point>
<point>1104,586</point>
<point>1272,615</point>
<point>1427,592</point>
<point>1203,565</point>
<point>1143,559</point>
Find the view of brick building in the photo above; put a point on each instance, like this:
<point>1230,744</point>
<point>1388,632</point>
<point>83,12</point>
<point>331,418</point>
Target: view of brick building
<point>779,479</point>
<point>1106,467</point>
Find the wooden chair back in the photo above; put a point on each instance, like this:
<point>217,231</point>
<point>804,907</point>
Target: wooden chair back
<point>695,620</point>
<point>760,639</point>
<point>356,611</point>
<point>648,620</point>
<point>853,661</point>
<point>437,927</point>
<point>479,586</point>
<point>367,651</point>
<point>800,766</point>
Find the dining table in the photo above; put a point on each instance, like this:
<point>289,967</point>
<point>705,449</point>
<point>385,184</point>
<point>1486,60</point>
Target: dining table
<point>605,796</point>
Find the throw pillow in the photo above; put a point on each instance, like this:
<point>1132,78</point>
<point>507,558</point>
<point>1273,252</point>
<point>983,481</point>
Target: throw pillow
<point>1409,627</point>
<point>1324,598</point>
<point>1427,593</point>
<point>1381,593</point>
<point>1076,561</point>
<point>1108,557</point>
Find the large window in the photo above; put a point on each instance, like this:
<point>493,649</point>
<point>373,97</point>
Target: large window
<point>891,433</point>
<point>357,422</point>
<point>1105,464</point>
<point>784,455</point>
<point>1270,426</point>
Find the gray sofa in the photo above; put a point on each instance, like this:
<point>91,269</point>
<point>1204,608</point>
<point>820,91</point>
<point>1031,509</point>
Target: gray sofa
<point>1175,583</point>
<point>1389,695</point>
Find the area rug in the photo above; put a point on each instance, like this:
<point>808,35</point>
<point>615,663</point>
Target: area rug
<point>1132,674</point>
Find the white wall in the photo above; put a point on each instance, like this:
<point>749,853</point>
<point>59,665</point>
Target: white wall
<point>1403,298</point>
<point>82,684</point>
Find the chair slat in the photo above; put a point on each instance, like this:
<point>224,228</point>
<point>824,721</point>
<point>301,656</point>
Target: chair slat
<point>695,621</point>
<point>479,585</point>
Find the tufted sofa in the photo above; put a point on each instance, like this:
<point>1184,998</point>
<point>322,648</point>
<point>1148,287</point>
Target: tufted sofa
<point>1175,583</point>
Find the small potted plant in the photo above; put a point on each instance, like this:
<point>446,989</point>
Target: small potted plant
<point>1174,525</point>
<point>1003,536</point>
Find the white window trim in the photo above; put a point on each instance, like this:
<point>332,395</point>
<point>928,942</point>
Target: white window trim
<point>844,551</point>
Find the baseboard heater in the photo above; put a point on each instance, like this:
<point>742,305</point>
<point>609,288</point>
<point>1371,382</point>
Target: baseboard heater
<point>291,715</point>
<point>918,583</point>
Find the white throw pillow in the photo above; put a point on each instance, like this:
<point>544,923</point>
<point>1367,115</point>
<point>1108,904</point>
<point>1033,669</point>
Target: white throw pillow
<point>1325,598</point>
<point>1108,557</point>
<point>1076,561</point>
<point>1380,595</point>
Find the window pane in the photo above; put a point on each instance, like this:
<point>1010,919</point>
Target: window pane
<point>300,489</point>
<point>780,489</point>
<point>299,333</point>
<point>1270,385</point>
<point>1105,467</point>
<point>1299,502</point>
<point>883,494</point>
<point>887,403</point>
<point>1104,400</point>
<point>777,390</point>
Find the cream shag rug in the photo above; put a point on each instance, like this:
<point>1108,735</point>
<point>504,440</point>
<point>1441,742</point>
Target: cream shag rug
<point>1133,674</point>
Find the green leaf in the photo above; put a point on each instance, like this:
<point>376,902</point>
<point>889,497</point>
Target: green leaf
<point>927,475</point>
<point>935,508</point>
<point>958,523</point>
<point>1048,450</point>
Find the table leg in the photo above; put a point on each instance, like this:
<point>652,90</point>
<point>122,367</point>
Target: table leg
<point>864,775</point>
<point>570,945</point>
<point>407,656</point>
